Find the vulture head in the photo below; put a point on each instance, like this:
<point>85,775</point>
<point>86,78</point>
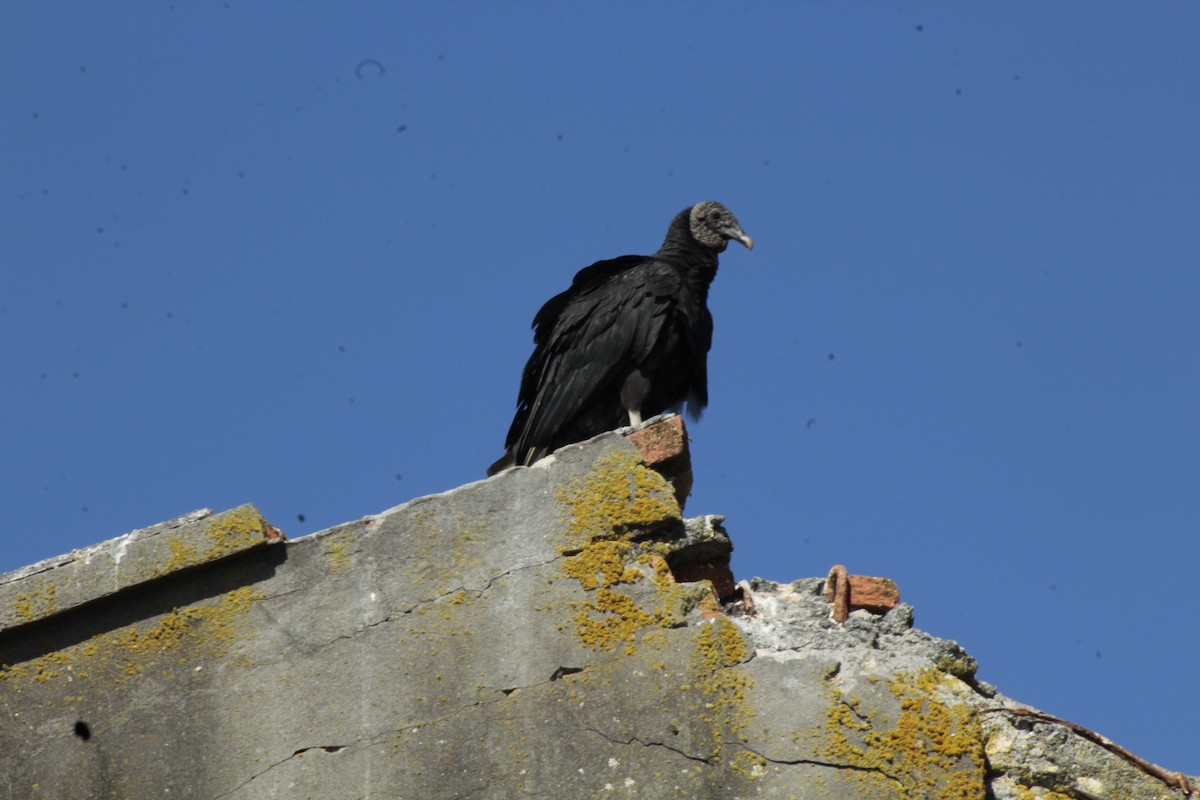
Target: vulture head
<point>713,225</point>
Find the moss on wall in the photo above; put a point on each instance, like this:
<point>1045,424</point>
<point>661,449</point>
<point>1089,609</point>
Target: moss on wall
<point>603,511</point>
<point>719,650</point>
<point>618,496</point>
<point>199,632</point>
<point>37,603</point>
<point>338,552</point>
<point>633,606</point>
<point>933,749</point>
<point>226,534</point>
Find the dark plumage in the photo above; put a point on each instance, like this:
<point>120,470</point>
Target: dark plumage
<point>628,340</point>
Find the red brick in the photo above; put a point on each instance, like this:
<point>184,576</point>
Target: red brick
<point>877,595</point>
<point>874,594</point>
<point>664,447</point>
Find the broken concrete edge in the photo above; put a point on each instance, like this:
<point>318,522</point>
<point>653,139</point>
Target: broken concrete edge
<point>849,592</point>
<point>662,442</point>
<point>703,542</point>
<point>705,556</point>
<point>1177,781</point>
<point>60,583</point>
<point>1023,755</point>
<point>662,445</point>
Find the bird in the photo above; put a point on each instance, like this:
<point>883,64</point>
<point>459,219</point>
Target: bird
<point>627,341</point>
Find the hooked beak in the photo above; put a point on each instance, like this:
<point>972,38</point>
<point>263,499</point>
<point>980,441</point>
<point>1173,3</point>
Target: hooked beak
<point>737,233</point>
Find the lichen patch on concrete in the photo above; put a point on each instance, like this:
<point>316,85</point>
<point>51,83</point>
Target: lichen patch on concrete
<point>616,497</point>
<point>933,748</point>
<point>202,631</point>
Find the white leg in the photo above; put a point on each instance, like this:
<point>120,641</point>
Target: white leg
<point>635,416</point>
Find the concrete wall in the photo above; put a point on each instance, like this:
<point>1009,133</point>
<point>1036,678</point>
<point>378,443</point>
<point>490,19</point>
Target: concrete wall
<point>521,637</point>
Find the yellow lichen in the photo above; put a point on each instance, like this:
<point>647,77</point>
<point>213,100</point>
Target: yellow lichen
<point>606,514</point>
<point>23,608</point>
<point>602,564</point>
<point>228,533</point>
<point>660,570</point>
<point>236,530</point>
<point>608,617</point>
<point>183,554</point>
<point>1027,793</point>
<point>199,631</point>
<point>715,672</point>
<point>336,549</point>
<point>613,618</point>
<point>934,749</point>
<point>749,764</point>
<point>617,496</point>
<point>38,603</point>
<point>616,501</point>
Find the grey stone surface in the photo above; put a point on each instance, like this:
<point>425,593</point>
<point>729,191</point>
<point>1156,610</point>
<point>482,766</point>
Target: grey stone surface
<point>909,705</point>
<point>521,637</point>
<point>63,582</point>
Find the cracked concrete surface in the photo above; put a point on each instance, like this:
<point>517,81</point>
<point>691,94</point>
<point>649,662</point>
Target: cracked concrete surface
<point>484,643</point>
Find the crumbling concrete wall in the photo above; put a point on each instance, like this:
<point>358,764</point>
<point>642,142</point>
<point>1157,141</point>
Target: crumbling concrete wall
<point>521,637</point>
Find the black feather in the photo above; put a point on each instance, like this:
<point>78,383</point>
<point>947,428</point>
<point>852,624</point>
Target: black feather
<point>631,333</point>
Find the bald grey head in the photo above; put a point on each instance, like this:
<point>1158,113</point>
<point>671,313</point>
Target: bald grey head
<point>713,225</point>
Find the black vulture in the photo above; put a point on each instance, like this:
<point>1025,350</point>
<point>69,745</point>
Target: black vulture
<point>627,341</point>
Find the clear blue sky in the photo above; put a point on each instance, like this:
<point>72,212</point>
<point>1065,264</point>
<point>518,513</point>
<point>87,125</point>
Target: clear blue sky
<point>288,253</point>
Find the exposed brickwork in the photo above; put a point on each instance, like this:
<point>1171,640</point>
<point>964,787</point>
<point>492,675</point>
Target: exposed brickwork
<point>848,592</point>
<point>664,447</point>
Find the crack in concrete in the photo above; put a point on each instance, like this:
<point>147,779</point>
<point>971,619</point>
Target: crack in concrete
<point>284,593</point>
<point>416,726</point>
<point>410,727</point>
<point>353,634</point>
<point>858,714</point>
<point>392,615</point>
<point>766,759</point>
<point>647,743</point>
<point>329,748</point>
<point>812,762</point>
<point>465,588</point>
<point>505,692</point>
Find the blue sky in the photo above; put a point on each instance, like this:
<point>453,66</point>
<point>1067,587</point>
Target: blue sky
<point>288,253</point>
